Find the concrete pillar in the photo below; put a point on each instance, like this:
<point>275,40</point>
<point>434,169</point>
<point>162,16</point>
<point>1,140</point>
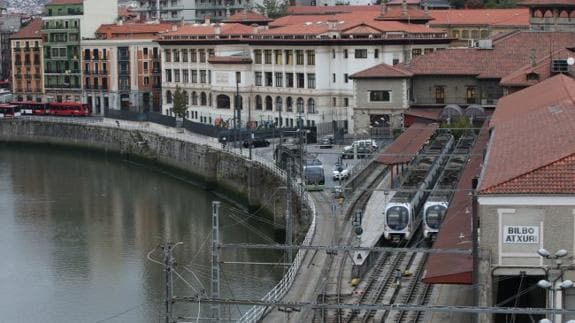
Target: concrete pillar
<point>485,287</point>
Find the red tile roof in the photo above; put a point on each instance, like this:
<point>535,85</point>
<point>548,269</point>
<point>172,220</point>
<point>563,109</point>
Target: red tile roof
<point>405,147</point>
<point>546,3</point>
<point>132,30</point>
<point>389,71</point>
<point>533,141</point>
<point>541,67</point>
<point>487,17</point>
<point>509,53</point>
<point>64,2</point>
<point>456,229</point>
<point>32,30</point>
<point>397,13</point>
<point>211,29</point>
<point>247,16</point>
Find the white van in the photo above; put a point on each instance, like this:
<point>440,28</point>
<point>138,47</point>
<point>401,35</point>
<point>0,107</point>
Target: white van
<point>360,143</point>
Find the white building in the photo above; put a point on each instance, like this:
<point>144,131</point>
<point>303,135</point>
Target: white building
<point>299,67</point>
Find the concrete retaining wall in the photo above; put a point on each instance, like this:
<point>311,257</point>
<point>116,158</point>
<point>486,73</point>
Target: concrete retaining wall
<point>242,180</point>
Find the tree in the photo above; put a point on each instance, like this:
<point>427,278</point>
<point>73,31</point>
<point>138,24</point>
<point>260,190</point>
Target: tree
<point>273,8</point>
<point>179,107</point>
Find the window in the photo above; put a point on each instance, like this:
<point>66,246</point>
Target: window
<point>279,79</point>
<point>184,55</point>
<point>345,53</point>
<point>211,53</point>
<point>289,57</point>
<point>168,75</point>
<point>333,77</point>
<point>376,53</point>
<point>333,53</point>
<point>279,103</point>
<point>96,85</point>
<point>269,103</point>
<point>185,76</point>
<point>193,56</point>
<point>395,61</point>
<point>415,52</point>
<point>258,56</point>
<point>311,106</point>
<point>202,56</point>
<point>145,52</point>
<point>346,102</point>
<point>380,96</point>
<point>176,55</point>
<point>86,54</point>
<point>269,80</point>
<point>334,101</point>
<point>258,78</point>
<point>177,76</point>
<point>532,76</point>
<point>168,96</point>
<point>345,78</point>
<point>427,51</point>
<point>96,56</point>
<point>87,83</point>
<point>471,94</point>
<point>268,56</point>
<point>311,81</point>
<point>203,76</point>
<point>146,81</point>
<point>278,59</point>
<point>238,77</point>
<point>311,57</point>
<point>259,105</point>
<point>299,57</point>
<point>439,94</point>
<point>168,55</point>
<point>300,80</point>
<point>289,79</point>
<point>299,105</point>
<point>194,76</point>
<point>203,99</point>
<point>194,98</point>
<point>361,53</point>
<point>104,83</point>
<point>289,105</point>
<point>145,66</point>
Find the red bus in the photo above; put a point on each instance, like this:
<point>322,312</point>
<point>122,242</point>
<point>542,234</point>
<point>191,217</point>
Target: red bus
<point>68,109</point>
<point>32,108</point>
<point>9,110</point>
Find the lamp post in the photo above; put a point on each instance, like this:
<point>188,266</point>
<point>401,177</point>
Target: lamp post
<point>554,285</point>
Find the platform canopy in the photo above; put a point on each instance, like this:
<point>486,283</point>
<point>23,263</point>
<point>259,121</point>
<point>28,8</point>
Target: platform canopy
<point>407,145</point>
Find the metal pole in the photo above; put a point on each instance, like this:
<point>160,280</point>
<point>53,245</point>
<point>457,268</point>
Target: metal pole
<point>250,123</point>
<point>215,260</point>
<point>475,226</point>
<point>168,262</point>
<point>289,221</point>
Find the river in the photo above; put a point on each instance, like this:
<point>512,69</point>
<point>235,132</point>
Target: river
<point>76,227</point>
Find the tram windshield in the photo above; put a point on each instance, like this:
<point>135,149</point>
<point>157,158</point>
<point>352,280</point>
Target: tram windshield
<point>314,175</point>
<point>434,216</point>
<point>397,217</point>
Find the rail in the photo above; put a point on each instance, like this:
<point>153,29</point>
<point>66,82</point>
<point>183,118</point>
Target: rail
<point>256,312</point>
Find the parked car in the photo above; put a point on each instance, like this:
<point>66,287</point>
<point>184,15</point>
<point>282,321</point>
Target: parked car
<point>365,142</point>
<point>340,172</point>
<point>363,151</point>
<point>326,142</point>
<point>256,143</point>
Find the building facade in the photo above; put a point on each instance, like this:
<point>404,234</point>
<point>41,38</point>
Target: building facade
<point>282,74</point>
<point>190,10</point>
<point>64,26</point>
<point>9,25</point>
<point>27,63</point>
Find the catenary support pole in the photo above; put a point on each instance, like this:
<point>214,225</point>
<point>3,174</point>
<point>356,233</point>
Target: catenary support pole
<point>215,292</point>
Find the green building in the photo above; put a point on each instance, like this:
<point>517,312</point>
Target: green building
<point>61,31</point>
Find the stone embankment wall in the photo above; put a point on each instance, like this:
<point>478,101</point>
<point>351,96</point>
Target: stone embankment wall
<point>240,179</point>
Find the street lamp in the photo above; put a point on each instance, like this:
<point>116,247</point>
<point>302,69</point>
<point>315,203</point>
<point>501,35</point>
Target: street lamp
<point>554,285</point>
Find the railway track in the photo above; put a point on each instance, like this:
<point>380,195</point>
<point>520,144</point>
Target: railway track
<point>418,293</point>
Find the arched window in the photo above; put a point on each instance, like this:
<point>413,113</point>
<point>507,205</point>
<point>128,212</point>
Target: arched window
<point>465,34</point>
<point>168,96</point>
<point>474,34</point>
<point>203,99</point>
<point>311,106</point>
<point>194,98</point>
<point>289,104</point>
<point>258,102</point>
<point>279,103</point>
<point>223,101</point>
<point>187,98</point>
<point>484,34</point>
<point>299,104</point>
<point>269,103</point>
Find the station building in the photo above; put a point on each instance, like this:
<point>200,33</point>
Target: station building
<point>526,200</point>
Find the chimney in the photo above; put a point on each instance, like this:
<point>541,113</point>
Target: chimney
<point>217,29</point>
<point>332,24</point>
<point>383,8</point>
<point>207,20</point>
<point>174,27</point>
<point>426,7</point>
<point>404,8</point>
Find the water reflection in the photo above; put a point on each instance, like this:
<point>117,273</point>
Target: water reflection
<point>76,227</point>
